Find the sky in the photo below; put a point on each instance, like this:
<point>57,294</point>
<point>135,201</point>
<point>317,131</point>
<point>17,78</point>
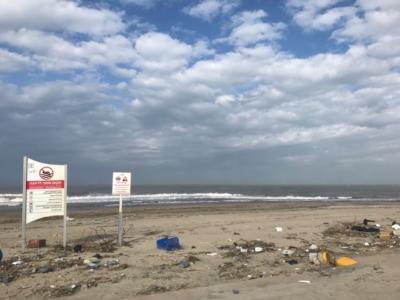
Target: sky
<point>202,91</point>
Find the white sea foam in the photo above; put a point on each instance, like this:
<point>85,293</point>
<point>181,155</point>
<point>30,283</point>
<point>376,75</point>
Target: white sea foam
<point>174,198</point>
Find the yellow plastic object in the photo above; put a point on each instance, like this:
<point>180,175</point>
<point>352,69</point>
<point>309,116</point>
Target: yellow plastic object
<point>345,261</point>
<point>327,257</point>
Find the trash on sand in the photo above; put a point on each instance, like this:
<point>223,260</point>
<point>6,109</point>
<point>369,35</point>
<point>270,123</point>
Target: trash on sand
<point>292,262</point>
<point>235,291</point>
<point>18,262</point>
<point>211,254</point>
<point>396,226</point>
<point>304,281</point>
<point>1,255</point>
<point>94,259</point>
<point>396,232</point>
<point>168,244</point>
<point>184,264</point>
<point>243,250</point>
<point>315,256</point>
<point>236,233</point>
<point>258,249</point>
<point>74,260</point>
<point>345,261</point>
<point>278,228</point>
<point>345,247</point>
<point>365,222</point>
<point>326,223</point>
<point>384,235</point>
<point>366,244</point>
<point>287,252</point>
<point>93,265</point>
<point>365,229</point>
<point>86,261</point>
<point>5,279</point>
<point>46,270</point>
<point>69,219</point>
<point>112,262</point>
<point>313,247</point>
<point>78,248</point>
<point>377,225</point>
<point>36,243</point>
<point>97,256</point>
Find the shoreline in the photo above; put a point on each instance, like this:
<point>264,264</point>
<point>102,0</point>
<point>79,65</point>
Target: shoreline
<point>93,210</point>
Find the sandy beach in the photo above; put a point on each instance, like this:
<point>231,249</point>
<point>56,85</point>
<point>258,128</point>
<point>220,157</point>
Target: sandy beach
<point>210,237</point>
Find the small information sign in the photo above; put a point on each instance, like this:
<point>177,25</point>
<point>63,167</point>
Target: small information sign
<point>121,184</point>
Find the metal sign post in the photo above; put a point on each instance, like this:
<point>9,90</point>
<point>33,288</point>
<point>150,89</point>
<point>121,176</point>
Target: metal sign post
<point>45,186</point>
<point>122,187</point>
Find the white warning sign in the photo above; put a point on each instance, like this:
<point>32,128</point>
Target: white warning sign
<point>121,184</point>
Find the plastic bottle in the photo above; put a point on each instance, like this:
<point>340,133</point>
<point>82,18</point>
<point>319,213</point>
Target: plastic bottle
<point>112,262</point>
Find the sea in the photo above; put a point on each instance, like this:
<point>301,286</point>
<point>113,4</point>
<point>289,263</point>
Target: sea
<point>100,196</point>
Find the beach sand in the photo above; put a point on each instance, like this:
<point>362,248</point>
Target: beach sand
<point>145,272</point>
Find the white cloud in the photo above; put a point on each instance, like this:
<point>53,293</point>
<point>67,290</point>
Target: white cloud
<point>250,29</point>
<point>158,52</point>
<point>209,9</point>
<point>143,3</point>
<point>56,15</point>
<point>10,61</point>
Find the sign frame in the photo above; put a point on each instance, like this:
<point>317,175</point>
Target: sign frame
<point>121,185</point>
<point>47,191</point>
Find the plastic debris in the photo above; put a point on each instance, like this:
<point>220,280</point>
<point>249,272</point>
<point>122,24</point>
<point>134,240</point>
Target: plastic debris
<point>184,264</point>
<point>46,270</point>
<point>78,248</point>
<point>1,255</point>
<point>365,229</point>
<point>112,262</point>
<point>93,265</point>
<point>211,254</point>
<point>345,261</point>
<point>365,222</point>
<point>235,291</point>
<point>287,252</point>
<point>313,247</point>
<point>292,262</point>
<point>279,229</point>
<point>18,262</point>
<point>304,281</point>
<point>258,249</point>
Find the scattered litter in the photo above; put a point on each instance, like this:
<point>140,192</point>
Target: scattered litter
<point>365,229</point>
<point>384,235</point>
<point>313,247</point>
<point>304,281</point>
<point>278,229</point>
<point>36,243</point>
<point>211,254</point>
<point>1,255</point>
<point>168,244</point>
<point>366,244</point>
<point>287,252</point>
<point>292,262</point>
<point>93,265</point>
<point>377,225</point>
<point>78,248</point>
<point>258,249</point>
<point>112,262</point>
<point>235,291</point>
<point>46,270</point>
<point>97,256</point>
<point>184,264</point>
<point>69,219</point>
<point>18,262</point>
<point>345,261</point>
<point>365,222</point>
<point>236,233</point>
<point>395,226</point>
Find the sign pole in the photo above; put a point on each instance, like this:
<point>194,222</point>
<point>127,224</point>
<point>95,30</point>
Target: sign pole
<point>65,206</point>
<point>25,160</point>
<point>120,221</point>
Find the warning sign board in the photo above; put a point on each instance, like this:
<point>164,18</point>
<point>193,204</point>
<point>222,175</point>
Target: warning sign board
<point>45,190</point>
<point>121,184</point>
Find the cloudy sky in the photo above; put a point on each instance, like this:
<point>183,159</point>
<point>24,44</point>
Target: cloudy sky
<point>202,91</point>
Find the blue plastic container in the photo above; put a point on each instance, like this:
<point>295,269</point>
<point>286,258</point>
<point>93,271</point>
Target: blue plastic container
<point>1,255</point>
<point>168,244</point>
